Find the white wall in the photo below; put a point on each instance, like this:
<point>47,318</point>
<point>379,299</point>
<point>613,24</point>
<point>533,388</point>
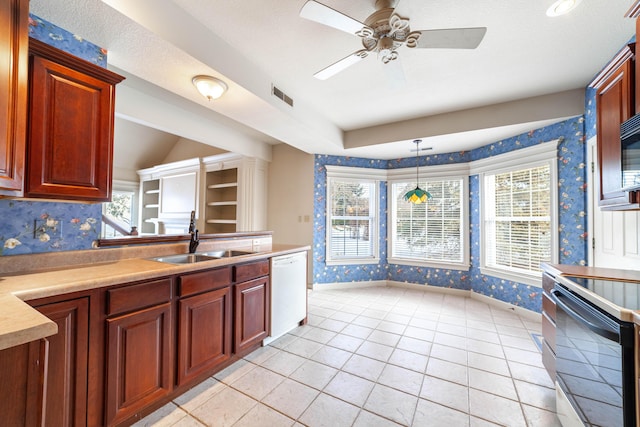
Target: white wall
<point>615,234</point>
<point>187,149</point>
<point>290,205</point>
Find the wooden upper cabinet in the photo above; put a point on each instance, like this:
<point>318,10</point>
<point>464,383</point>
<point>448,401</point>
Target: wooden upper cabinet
<point>14,42</point>
<point>70,141</point>
<point>614,104</point>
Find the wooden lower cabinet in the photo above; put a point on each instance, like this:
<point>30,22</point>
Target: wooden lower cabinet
<point>67,368</point>
<point>251,313</point>
<point>204,333</point>
<point>138,361</point>
<point>125,350</point>
<point>23,384</point>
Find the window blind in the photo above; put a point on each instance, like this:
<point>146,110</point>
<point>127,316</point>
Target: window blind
<point>351,219</point>
<point>518,219</point>
<point>431,231</point>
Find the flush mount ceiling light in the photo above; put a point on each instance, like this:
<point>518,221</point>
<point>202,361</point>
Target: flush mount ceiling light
<point>210,87</point>
<point>561,7</point>
<point>418,195</point>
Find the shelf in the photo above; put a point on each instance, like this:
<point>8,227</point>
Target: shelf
<point>229,203</point>
<point>225,185</point>
<point>151,206</point>
<point>221,221</point>
<point>157,191</point>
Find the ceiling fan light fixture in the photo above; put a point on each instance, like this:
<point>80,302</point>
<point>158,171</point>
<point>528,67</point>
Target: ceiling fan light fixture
<point>210,87</point>
<point>561,7</point>
<point>417,196</point>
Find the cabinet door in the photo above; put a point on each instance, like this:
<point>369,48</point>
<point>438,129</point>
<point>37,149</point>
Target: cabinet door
<point>252,311</point>
<point>178,195</point>
<point>204,333</point>
<point>614,105</point>
<point>23,371</point>
<point>66,394</point>
<point>138,361</point>
<point>14,21</point>
<point>70,144</point>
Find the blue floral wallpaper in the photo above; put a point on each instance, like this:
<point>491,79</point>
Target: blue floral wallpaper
<point>64,40</point>
<point>33,227</point>
<point>572,217</point>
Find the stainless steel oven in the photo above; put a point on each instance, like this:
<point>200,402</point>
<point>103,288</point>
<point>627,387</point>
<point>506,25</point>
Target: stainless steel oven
<point>595,377</point>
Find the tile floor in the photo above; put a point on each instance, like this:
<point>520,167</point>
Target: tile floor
<point>382,356</point>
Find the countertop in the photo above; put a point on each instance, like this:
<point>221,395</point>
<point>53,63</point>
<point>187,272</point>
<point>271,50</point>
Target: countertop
<point>20,323</point>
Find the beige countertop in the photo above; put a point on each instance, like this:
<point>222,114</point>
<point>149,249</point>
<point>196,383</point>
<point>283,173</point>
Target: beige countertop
<point>20,323</point>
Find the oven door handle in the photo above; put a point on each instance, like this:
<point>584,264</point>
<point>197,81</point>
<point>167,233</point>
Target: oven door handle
<point>590,320</point>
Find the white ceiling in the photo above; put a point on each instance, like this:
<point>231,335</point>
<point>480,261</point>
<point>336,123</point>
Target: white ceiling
<point>529,71</point>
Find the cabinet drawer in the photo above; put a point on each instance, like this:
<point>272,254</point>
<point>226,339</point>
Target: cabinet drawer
<point>548,306</point>
<point>204,281</point>
<point>138,296</point>
<point>251,270</point>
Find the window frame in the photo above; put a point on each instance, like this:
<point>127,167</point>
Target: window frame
<point>431,173</point>
<point>126,187</point>
<point>374,177</point>
<point>538,155</point>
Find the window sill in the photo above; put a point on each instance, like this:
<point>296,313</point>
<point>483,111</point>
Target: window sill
<point>353,261</point>
<point>429,264</point>
<point>527,279</point>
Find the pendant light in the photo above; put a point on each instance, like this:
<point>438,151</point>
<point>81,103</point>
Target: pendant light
<point>418,195</point>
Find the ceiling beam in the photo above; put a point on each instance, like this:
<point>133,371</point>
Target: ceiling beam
<point>539,108</point>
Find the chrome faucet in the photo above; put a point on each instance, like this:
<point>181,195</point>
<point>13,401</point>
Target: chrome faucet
<point>193,243</point>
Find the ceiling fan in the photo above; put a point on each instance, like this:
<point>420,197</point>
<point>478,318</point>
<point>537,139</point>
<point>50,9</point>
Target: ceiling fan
<point>383,32</point>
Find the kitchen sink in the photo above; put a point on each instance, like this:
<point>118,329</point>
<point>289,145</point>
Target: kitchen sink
<point>227,253</point>
<point>184,258</point>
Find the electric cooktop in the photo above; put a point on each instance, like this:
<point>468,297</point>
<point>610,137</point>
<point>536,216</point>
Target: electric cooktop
<point>622,297</point>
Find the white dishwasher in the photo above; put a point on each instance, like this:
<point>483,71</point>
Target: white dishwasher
<point>288,293</point>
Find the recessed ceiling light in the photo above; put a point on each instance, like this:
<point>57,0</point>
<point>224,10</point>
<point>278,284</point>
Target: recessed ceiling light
<point>561,7</point>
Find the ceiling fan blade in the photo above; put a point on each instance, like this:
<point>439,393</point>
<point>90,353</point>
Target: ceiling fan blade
<point>344,63</point>
<point>452,38</point>
<point>322,14</point>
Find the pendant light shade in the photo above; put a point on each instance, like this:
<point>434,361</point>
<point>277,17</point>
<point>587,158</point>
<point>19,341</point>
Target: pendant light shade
<point>417,195</point>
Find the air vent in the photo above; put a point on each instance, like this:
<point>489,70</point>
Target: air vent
<point>281,95</point>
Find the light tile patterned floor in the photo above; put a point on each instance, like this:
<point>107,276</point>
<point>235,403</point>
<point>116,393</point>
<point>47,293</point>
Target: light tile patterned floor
<point>382,357</point>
